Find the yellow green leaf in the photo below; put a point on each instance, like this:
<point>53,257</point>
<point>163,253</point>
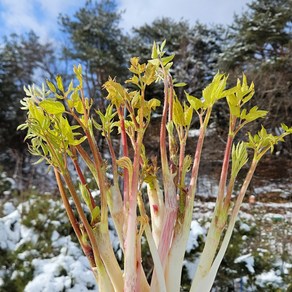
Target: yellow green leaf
<point>52,106</point>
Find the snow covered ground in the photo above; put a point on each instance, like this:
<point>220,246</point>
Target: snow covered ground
<point>66,269</point>
<point>39,253</point>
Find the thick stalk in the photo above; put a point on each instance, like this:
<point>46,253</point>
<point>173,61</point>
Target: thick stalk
<point>204,282</point>
<point>181,232</point>
<point>115,204</point>
<point>163,153</point>
<point>131,283</point>
<point>126,154</point>
<point>169,187</point>
<point>224,170</point>
<point>108,256</point>
<point>100,174</point>
<point>157,263</point>
<point>197,158</point>
<point>156,209</point>
<point>219,218</point>
<point>81,176</point>
<point>104,280</point>
<point>225,166</point>
<point>114,197</point>
<point>152,246</point>
<point>176,257</point>
<point>130,241</point>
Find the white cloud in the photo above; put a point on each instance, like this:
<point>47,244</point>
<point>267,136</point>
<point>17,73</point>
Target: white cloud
<point>18,16</point>
<point>41,15</point>
<point>209,11</point>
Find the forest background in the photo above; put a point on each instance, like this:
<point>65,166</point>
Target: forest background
<point>258,42</point>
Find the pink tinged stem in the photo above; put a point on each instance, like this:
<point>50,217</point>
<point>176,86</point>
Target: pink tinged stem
<point>130,268</point>
<point>205,281</point>
<point>130,241</point>
<point>219,218</point>
<point>125,153</point>
<point>164,160</point>
<point>195,169</point>
<point>224,170</point>
<point>156,210</point>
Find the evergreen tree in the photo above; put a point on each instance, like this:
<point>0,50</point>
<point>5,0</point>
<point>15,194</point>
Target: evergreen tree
<point>262,34</point>
<point>22,57</point>
<point>259,42</point>
<point>97,42</point>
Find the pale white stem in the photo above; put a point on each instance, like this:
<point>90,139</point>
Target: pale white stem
<point>156,210</point>
<point>156,260</point>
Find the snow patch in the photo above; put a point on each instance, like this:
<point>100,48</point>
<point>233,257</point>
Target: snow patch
<point>8,208</point>
<point>10,230</point>
<point>69,271</point>
<point>248,259</point>
<point>268,278</point>
<point>196,231</point>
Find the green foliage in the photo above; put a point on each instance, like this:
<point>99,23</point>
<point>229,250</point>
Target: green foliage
<point>263,141</point>
<point>239,158</point>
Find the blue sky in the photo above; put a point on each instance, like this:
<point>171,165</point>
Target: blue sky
<point>18,16</point>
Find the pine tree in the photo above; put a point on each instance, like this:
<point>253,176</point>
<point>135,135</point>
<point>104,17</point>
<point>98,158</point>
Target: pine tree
<point>97,42</point>
<point>262,34</point>
<point>22,57</point>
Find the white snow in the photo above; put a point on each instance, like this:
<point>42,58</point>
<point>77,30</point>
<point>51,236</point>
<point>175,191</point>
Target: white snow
<point>69,270</point>
<point>195,232</point>
<point>191,267</point>
<point>248,259</point>
<point>268,277</point>
<point>244,227</point>
<point>8,208</point>
<point>10,233</point>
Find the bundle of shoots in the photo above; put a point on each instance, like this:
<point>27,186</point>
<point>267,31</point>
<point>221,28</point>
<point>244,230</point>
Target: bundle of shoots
<point>63,129</point>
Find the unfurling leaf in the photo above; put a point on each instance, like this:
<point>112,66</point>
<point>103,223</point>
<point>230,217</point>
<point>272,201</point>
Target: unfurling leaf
<point>154,53</point>
<point>149,76</point>
<point>188,115</point>
<point>125,162</point>
<point>194,101</point>
<point>60,83</point>
<point>117,94</point>
<point>51,86</point>
<point>286,128</point>
<point>95,215</point>
<point>239,158</point>
<point>215,89</point>
<point>166,60</point>
<point>86,196</point>
<point>178,113</point>
<point>253,114</point>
